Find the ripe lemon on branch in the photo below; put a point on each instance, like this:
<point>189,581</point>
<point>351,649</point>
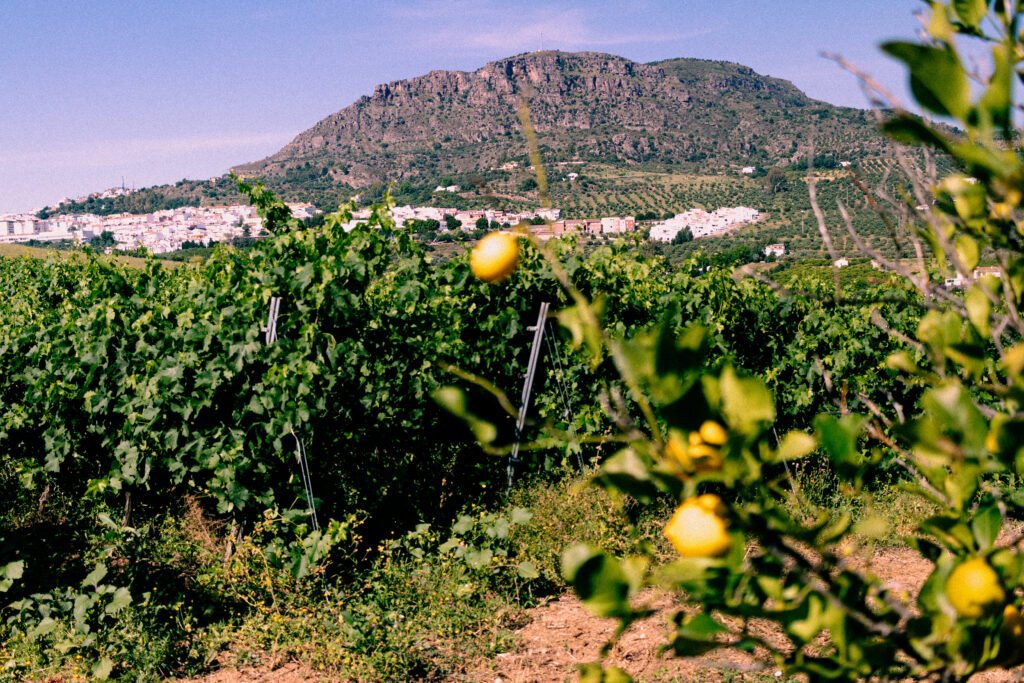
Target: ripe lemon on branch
<point>494,257</point>
<point>973,588</point>
<point>697,528</point>
<point>1011,638</point>
<point>701,450</point>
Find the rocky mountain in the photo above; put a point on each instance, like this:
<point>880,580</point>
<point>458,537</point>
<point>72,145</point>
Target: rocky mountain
<point>616,136</point>
<point>680,113</point>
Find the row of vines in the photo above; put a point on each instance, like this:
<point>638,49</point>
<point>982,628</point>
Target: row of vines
<point>128,392</point>
<point>135,399</point>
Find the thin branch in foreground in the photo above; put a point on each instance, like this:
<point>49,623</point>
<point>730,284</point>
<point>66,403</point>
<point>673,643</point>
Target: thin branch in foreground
<point>819,216</point>
<point>878,210</point>
<point>893,266</point>
<point>878,321</point>
<point>878,95</point>
<point>484,384</point>
<point>905,460</point>
<point>1011,305</point>
<point>875,410</point>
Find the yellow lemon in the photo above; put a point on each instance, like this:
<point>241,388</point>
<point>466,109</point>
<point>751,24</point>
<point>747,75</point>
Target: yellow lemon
<point>697,529</point>
<point>1002,211</point>
<point>713,433</point>
<point>973,588</point>
<point>675,449</point>
<point>709,502</point>
<point>992,440</point>
<point>1011,637</point>
<point>494,257</point>
<point>1013,623</point>
<point>692,454</point>
<point>705,457</point>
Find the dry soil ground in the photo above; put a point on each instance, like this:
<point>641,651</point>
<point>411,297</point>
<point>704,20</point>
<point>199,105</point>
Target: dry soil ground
<point>561,635</point>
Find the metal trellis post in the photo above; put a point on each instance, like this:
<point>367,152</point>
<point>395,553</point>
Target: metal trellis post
<point>531,371</point>
<point>300,451</point>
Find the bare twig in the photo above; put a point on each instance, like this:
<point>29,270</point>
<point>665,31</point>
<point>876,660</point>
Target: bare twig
<point>819,216</point>
<point>878,95</point>
<point>877,208</point>
<point>875,410</point>
<point>878,321</point>
<point>1008,293</point>
<point>893,266</point>
<point>484,384</point>
<point>613,405</point>
<point>906,460</point>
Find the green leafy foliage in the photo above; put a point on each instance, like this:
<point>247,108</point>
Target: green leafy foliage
<point>695,427</point>
<point>132,396</point>
<point>130,390</point>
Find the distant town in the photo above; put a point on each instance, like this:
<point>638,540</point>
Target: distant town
<point>158,232</point>
<point>168,230</point>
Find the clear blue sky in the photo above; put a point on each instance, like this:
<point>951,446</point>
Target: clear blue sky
<point>159,90</point>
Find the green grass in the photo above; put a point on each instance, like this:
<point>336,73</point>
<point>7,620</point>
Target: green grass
<point>18,250</point>
<point>420,609</point>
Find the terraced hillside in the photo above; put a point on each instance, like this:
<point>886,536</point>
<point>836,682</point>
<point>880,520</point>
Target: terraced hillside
<point>616,138</point>
<point>680,114</point>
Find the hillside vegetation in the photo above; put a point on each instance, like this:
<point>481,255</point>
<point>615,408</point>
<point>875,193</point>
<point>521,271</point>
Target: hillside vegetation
<point>642,138</point>
<point>688,114</point>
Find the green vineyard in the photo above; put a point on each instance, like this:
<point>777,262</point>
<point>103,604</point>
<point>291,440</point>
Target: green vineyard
<point>320,450</point>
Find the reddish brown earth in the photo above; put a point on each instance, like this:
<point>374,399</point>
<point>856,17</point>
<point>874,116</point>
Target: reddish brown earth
<point>561,635</point>
<point>290,672</point>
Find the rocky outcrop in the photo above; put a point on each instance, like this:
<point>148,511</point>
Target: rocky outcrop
<point>586,105</point>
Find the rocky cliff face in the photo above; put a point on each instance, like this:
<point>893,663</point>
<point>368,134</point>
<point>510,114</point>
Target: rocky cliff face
<point>585,106</point>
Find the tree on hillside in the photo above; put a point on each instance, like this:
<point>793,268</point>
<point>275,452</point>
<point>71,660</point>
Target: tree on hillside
<point>103,241</point>
<point>683,236</point>
<point>776,181</point>
<point>424,226</point>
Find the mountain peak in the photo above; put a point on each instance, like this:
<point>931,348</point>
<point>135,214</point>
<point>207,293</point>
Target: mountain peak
<point>584,106</point>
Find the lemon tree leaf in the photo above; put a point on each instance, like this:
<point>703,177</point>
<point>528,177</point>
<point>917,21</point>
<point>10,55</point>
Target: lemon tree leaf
<point>937,78</point>
<point>696,634</point>
<point>595,673</point>
<point>598,580</point>
<point>795,445</point>
<point>967,251</point>
<point>979,310</point>
<point>911,129</point>
<point>985,526</point>
<point>970,12</point>
<point>746,402</point>
<point>627,472</point>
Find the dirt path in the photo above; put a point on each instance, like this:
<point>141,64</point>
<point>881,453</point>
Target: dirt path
<point>290,672</point>
<point>561,635</point>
